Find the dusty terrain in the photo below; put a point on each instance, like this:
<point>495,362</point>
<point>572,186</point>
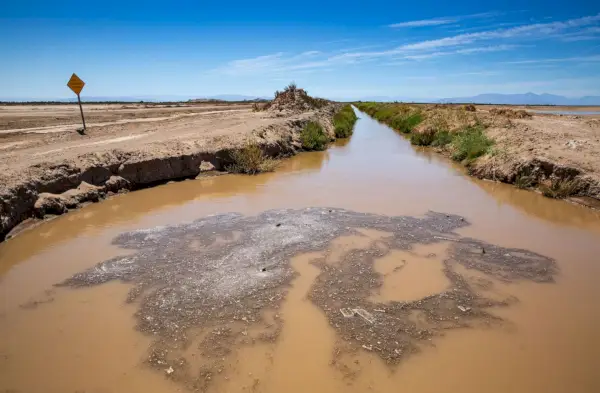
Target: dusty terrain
<point>556,154</point>
<point>125,147</point>
<point>23,116</point>
<point>544,147</point>
<point>213,281</point>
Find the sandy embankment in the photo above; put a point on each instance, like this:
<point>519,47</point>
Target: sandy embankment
<point>126,151</point>
<point>545,148</point>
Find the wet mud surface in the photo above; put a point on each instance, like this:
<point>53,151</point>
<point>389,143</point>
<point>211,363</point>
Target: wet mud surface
<point>217,284</point>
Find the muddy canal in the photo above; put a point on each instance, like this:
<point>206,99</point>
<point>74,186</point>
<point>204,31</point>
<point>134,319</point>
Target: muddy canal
<point>372,266</point>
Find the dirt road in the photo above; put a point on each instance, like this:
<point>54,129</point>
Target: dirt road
<point>109,127</point>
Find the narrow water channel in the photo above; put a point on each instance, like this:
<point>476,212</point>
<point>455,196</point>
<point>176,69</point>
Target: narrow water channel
<point>55,339</point>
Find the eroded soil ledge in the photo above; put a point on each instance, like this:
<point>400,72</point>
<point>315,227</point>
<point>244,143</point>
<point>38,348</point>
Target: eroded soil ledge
<point>58,183</point>
<point>556,155</point>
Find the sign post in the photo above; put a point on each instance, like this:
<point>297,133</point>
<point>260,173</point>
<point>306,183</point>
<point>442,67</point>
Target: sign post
<point>76,85</point>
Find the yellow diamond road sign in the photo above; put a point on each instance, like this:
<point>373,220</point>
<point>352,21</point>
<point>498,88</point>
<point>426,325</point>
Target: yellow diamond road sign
<point>76,84</point>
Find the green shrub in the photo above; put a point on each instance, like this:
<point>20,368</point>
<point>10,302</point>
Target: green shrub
<point>424,138</point>
<point>251,160</point>
<point>313,137</point>
<point>470,144</point>
<point>442,138</point>
<point>343,122</point>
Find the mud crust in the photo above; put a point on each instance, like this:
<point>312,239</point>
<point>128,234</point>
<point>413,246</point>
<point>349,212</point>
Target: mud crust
<point>222,274</point>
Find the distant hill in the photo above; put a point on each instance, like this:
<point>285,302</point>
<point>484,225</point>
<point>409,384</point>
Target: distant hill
<point>524,99</point>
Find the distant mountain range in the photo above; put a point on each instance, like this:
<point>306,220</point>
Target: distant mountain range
<point>524,99</point>
<point>506,99</point>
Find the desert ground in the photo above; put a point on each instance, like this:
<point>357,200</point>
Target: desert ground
<point>43,152</point>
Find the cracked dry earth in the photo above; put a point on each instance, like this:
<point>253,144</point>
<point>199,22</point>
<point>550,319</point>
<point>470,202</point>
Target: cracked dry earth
<point>219,283</point>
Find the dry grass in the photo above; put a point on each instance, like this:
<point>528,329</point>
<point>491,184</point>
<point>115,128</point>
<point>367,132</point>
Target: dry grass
<point>524,181</point>
<point>559,188</point>
<point>251,160</point>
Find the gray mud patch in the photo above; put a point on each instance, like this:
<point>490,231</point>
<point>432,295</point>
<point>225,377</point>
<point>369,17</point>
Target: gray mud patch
<point>221,275</point>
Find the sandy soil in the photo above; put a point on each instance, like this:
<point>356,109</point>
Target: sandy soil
<point>115,128</point>
<point>41,151</point>
<point>560,147</point>
<point>21,117</point>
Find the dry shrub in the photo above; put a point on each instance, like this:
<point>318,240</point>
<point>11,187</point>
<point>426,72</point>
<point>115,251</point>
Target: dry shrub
<point>251,160</point>
<point>510,113</point>
<point>470,108</point>
<point>559,188</point>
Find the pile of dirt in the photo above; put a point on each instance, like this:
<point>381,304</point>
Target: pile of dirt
<point>510,113</point>
<point>296,100</point>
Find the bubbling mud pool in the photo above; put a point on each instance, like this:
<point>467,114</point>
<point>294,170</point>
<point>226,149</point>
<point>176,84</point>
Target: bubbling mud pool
<point>239,268</point>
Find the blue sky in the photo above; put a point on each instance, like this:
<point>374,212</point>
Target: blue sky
<point>423,49</point>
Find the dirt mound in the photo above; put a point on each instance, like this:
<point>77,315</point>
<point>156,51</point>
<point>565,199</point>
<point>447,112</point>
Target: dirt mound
<point>296,100</point>
<point>510,113</point>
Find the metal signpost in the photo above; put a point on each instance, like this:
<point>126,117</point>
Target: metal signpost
<point>76,85</point>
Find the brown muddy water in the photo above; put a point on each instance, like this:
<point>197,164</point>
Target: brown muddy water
<point>91,338</point>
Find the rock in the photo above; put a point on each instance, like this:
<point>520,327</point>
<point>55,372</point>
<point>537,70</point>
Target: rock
<point>48,203</point>
<point>116,183</point>
<point>206,166</point>
<point>169,371</point>
<point>464,309</point>
<point>83,193</point>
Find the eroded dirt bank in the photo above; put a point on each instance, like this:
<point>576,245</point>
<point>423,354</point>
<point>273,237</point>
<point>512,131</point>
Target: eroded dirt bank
<point>50,173</point>
<point>215,280</point>
<point>554,154</point>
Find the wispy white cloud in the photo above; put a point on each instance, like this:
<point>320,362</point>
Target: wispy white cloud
<point>457,45</point>
<point>593,58</point>
<point>425,22</point>
<point>465,51</point>
<point>441,20</point>
<point>536,30</point>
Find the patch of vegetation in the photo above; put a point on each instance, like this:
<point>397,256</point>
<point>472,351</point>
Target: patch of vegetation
<point>442,126</point>
<point>424,138</point>
<point>405,123</point>
<point>470,144</point>
<point>313,137</point>
<point>442,138</point>
<point>343,122</point>
<point>524,181</point>
<point>559,188</point>
<point>251,160</point>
